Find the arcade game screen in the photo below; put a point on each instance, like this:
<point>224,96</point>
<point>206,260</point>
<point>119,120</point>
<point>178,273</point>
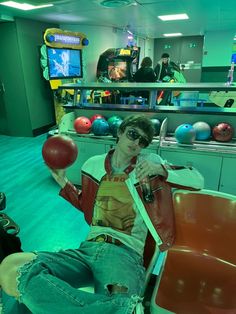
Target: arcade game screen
<point>117,70</point>
<point>64,63</point>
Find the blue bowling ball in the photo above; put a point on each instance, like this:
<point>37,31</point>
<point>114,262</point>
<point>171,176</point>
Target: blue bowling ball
<point>203,130</point>
<point>100,127</point>
<point>113,119</point>
<point>157,125</point>
<point>114,126</point>
<point>185,134</point>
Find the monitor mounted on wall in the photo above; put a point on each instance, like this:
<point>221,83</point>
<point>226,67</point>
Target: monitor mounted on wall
<point>64,63</point>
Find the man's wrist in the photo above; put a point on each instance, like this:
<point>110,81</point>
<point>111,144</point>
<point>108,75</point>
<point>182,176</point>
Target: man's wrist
<point>161,171</point>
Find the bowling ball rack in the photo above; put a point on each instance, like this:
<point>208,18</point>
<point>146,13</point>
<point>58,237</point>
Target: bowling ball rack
<point>209,145</point>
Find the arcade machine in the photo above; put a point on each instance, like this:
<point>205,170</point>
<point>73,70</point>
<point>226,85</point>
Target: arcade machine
<point>62,62</point>
<point>118,65</point>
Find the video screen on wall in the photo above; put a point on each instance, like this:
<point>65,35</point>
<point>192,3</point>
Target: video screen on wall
<point>117,70</point>
<point>64,63</point>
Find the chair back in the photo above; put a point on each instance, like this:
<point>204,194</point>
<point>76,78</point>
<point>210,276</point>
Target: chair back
<point>206,222</point>
<point>200,270</point>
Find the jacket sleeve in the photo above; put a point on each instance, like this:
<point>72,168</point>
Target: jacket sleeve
<point>184,177</point>
<point>178,176</point>
<point>157,70</point>
<point>72,195</point>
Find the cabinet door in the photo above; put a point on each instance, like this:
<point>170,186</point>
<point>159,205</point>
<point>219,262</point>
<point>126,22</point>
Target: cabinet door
<point>228,175</point>
<point>209,166</point>
<point>85,151</point>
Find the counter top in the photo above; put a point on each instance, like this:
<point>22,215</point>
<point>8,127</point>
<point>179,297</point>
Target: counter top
<point>151,86</point>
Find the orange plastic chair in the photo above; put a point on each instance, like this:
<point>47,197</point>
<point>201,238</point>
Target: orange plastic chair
<point>199,276</point>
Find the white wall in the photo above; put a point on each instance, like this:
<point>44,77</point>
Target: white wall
<point>147,47</point>
<point>100,39</point>
<point>218,48</point>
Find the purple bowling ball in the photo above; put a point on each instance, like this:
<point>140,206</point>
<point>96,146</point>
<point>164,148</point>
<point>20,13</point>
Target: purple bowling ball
<point>203,130</point>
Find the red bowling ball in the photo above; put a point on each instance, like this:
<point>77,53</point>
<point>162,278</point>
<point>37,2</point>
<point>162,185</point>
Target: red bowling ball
<point>82,125</point>
<point>59,151</point>
<point>223,132</point>
<point>96,116</point>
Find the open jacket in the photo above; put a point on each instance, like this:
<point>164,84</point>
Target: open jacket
<point>158,215</point>
<point>169,69</point>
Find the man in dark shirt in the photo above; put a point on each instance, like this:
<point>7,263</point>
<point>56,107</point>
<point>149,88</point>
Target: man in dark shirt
<point>165,67</point>
<point>164,71</point>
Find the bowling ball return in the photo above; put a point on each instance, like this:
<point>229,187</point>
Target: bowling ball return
<point>6,222</point>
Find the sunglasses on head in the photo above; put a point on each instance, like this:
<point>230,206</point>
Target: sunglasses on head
<point>133,135</point>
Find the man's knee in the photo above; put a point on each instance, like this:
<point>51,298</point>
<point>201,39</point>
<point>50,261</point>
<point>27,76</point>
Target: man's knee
<point>9,271</point>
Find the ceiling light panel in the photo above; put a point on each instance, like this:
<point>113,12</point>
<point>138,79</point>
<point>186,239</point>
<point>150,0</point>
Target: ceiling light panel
<point>173,34</point>
<point>24,6</point>
<point>173,17</point>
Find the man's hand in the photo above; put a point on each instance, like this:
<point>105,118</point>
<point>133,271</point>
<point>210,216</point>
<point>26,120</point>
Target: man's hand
<point>59,176</point>
<point>146,168</point>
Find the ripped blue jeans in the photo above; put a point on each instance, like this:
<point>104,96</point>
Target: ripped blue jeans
<point>49,284</point>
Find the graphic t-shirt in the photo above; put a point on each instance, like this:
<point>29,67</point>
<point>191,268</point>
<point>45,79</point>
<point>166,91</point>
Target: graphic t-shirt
<point>115,213</point>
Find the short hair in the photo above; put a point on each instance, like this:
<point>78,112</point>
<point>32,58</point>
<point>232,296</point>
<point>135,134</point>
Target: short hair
<point>140,121</point>
<point>165,55</point>
<point>146,62</point>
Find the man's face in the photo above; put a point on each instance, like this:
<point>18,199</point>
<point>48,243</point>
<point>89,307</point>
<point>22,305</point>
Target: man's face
<point>165,60</point>
<point>132,140</point>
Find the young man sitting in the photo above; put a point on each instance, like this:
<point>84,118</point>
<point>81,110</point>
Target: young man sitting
<point>120,214</point>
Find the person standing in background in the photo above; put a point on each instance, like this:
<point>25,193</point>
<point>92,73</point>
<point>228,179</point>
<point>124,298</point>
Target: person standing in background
<point>145,73</point>
<point>165,68</point>
<point>167,71</point>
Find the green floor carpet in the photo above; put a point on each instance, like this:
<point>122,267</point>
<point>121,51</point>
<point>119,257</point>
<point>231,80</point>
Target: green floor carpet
<point>47,222</point>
